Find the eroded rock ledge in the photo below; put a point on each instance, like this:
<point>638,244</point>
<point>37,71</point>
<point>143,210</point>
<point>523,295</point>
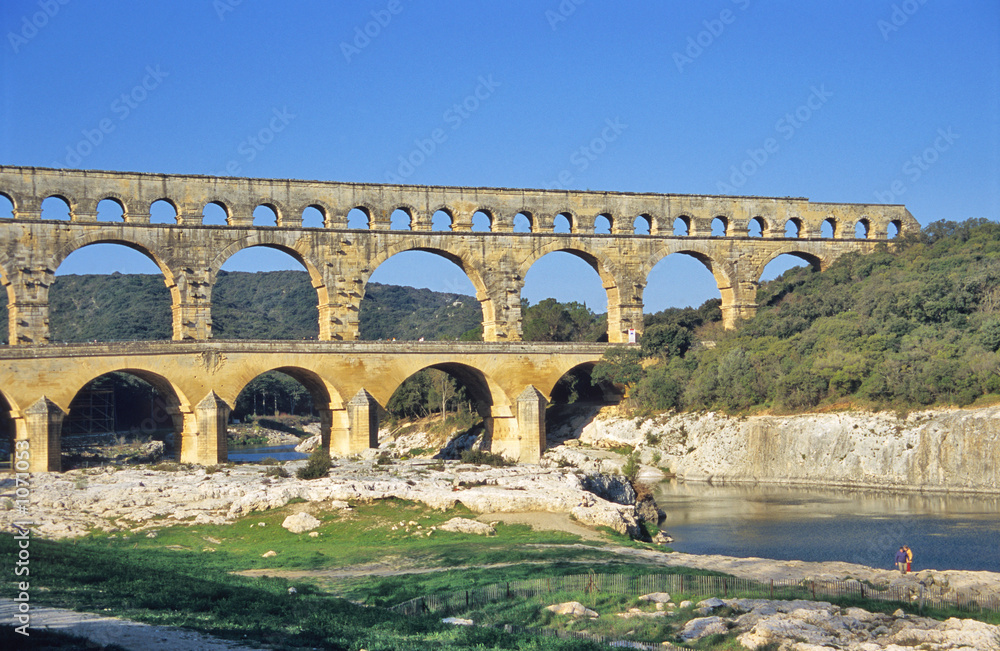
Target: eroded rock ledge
<point>73,503</point>
<point>946,450</point>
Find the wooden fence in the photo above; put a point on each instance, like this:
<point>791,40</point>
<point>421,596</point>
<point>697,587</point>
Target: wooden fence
<point>715,586</point>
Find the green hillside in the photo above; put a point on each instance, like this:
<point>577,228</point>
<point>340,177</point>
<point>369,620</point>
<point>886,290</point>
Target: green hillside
<point>265,305</point>
<point>913,328</point>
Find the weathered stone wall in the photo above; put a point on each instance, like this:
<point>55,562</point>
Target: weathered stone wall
<point>341,260</point>
<point>931,450</point>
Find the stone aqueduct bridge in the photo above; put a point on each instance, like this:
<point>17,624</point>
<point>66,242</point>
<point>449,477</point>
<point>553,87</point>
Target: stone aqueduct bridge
<point>346,378</point>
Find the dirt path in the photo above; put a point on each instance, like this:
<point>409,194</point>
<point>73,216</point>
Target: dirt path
<point>123,632</point>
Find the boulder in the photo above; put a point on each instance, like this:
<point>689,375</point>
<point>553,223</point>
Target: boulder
<point>572,608</point>
<point>309,444</point>
<point>464,525</point>
<point>702,627</point>
<point>656,597</point>
<point>300,523</point>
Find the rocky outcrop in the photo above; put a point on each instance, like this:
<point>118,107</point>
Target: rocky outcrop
<point>72,503</point>
<point>956,449</point>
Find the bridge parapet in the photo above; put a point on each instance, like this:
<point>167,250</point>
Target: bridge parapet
<point>83,190</point>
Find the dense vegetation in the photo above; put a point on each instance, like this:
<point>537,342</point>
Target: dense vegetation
<point>911,328</point>
<point>265,305</point>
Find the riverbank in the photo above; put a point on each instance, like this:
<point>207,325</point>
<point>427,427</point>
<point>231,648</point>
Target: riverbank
<point>953,450</point>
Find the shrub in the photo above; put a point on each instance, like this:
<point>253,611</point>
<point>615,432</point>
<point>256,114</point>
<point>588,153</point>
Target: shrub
<point>277,471</point>
<point>318,466</point>
<point>631,467</point>
<point>485,457</point>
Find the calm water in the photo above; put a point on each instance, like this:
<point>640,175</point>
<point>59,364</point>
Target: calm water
<point>257,454</point>
<point>866,527</point>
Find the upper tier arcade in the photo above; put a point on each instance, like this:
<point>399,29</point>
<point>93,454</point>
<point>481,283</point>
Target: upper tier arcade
<point>341,260</point>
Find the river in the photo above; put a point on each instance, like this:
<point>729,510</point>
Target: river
<point>956,532</point>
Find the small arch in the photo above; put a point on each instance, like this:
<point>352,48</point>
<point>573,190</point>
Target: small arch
<point>861,229</point>
<point>828,229</point>
<point>602,224</point>
<point>563,223</point>
<point>6,206</point>
<point>793,228</point>
<point>523,223</point>
<point>441,220</point>
<point>401,220</point>
<point>313,217</point>
<point>756,227</point>
<point>265,215</point>
<point>720,226</point>
<point>482,221</point>
<point>110,210</point>
<point>893,229</point>
<point>359,218</point>
<point>162,211</point>
<point>682,226</point>
<point>215,213</point>
<point>642,225</point>
<point>56,207</point>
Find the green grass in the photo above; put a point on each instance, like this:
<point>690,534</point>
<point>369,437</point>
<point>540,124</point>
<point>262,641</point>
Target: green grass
<point>184,576</point>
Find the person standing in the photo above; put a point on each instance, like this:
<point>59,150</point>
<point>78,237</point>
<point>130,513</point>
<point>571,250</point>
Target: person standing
<point>909,557</point>
<point>901,560</point>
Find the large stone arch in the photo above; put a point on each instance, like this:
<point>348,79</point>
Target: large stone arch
<point>817,262</point>
<point>471,270</point>
<point>276,240</point>
<point>324,393</point>
<point>508,431</point>
<point>736,294</point>
<point>104,237</point>
<point>606,269</point>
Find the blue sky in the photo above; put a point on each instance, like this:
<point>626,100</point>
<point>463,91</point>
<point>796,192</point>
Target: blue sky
<point>857,94</point>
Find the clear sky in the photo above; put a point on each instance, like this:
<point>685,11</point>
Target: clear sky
<point>868,100</point>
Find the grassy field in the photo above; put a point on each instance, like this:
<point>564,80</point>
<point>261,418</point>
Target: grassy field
<point>187,576</point>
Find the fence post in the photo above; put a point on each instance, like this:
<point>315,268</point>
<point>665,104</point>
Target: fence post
<point>813,589</point>
<point>725,589</point>
<point>772,589</point>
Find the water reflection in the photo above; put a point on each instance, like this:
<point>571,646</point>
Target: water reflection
<point>252,454</point>
<point>812,524</point>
